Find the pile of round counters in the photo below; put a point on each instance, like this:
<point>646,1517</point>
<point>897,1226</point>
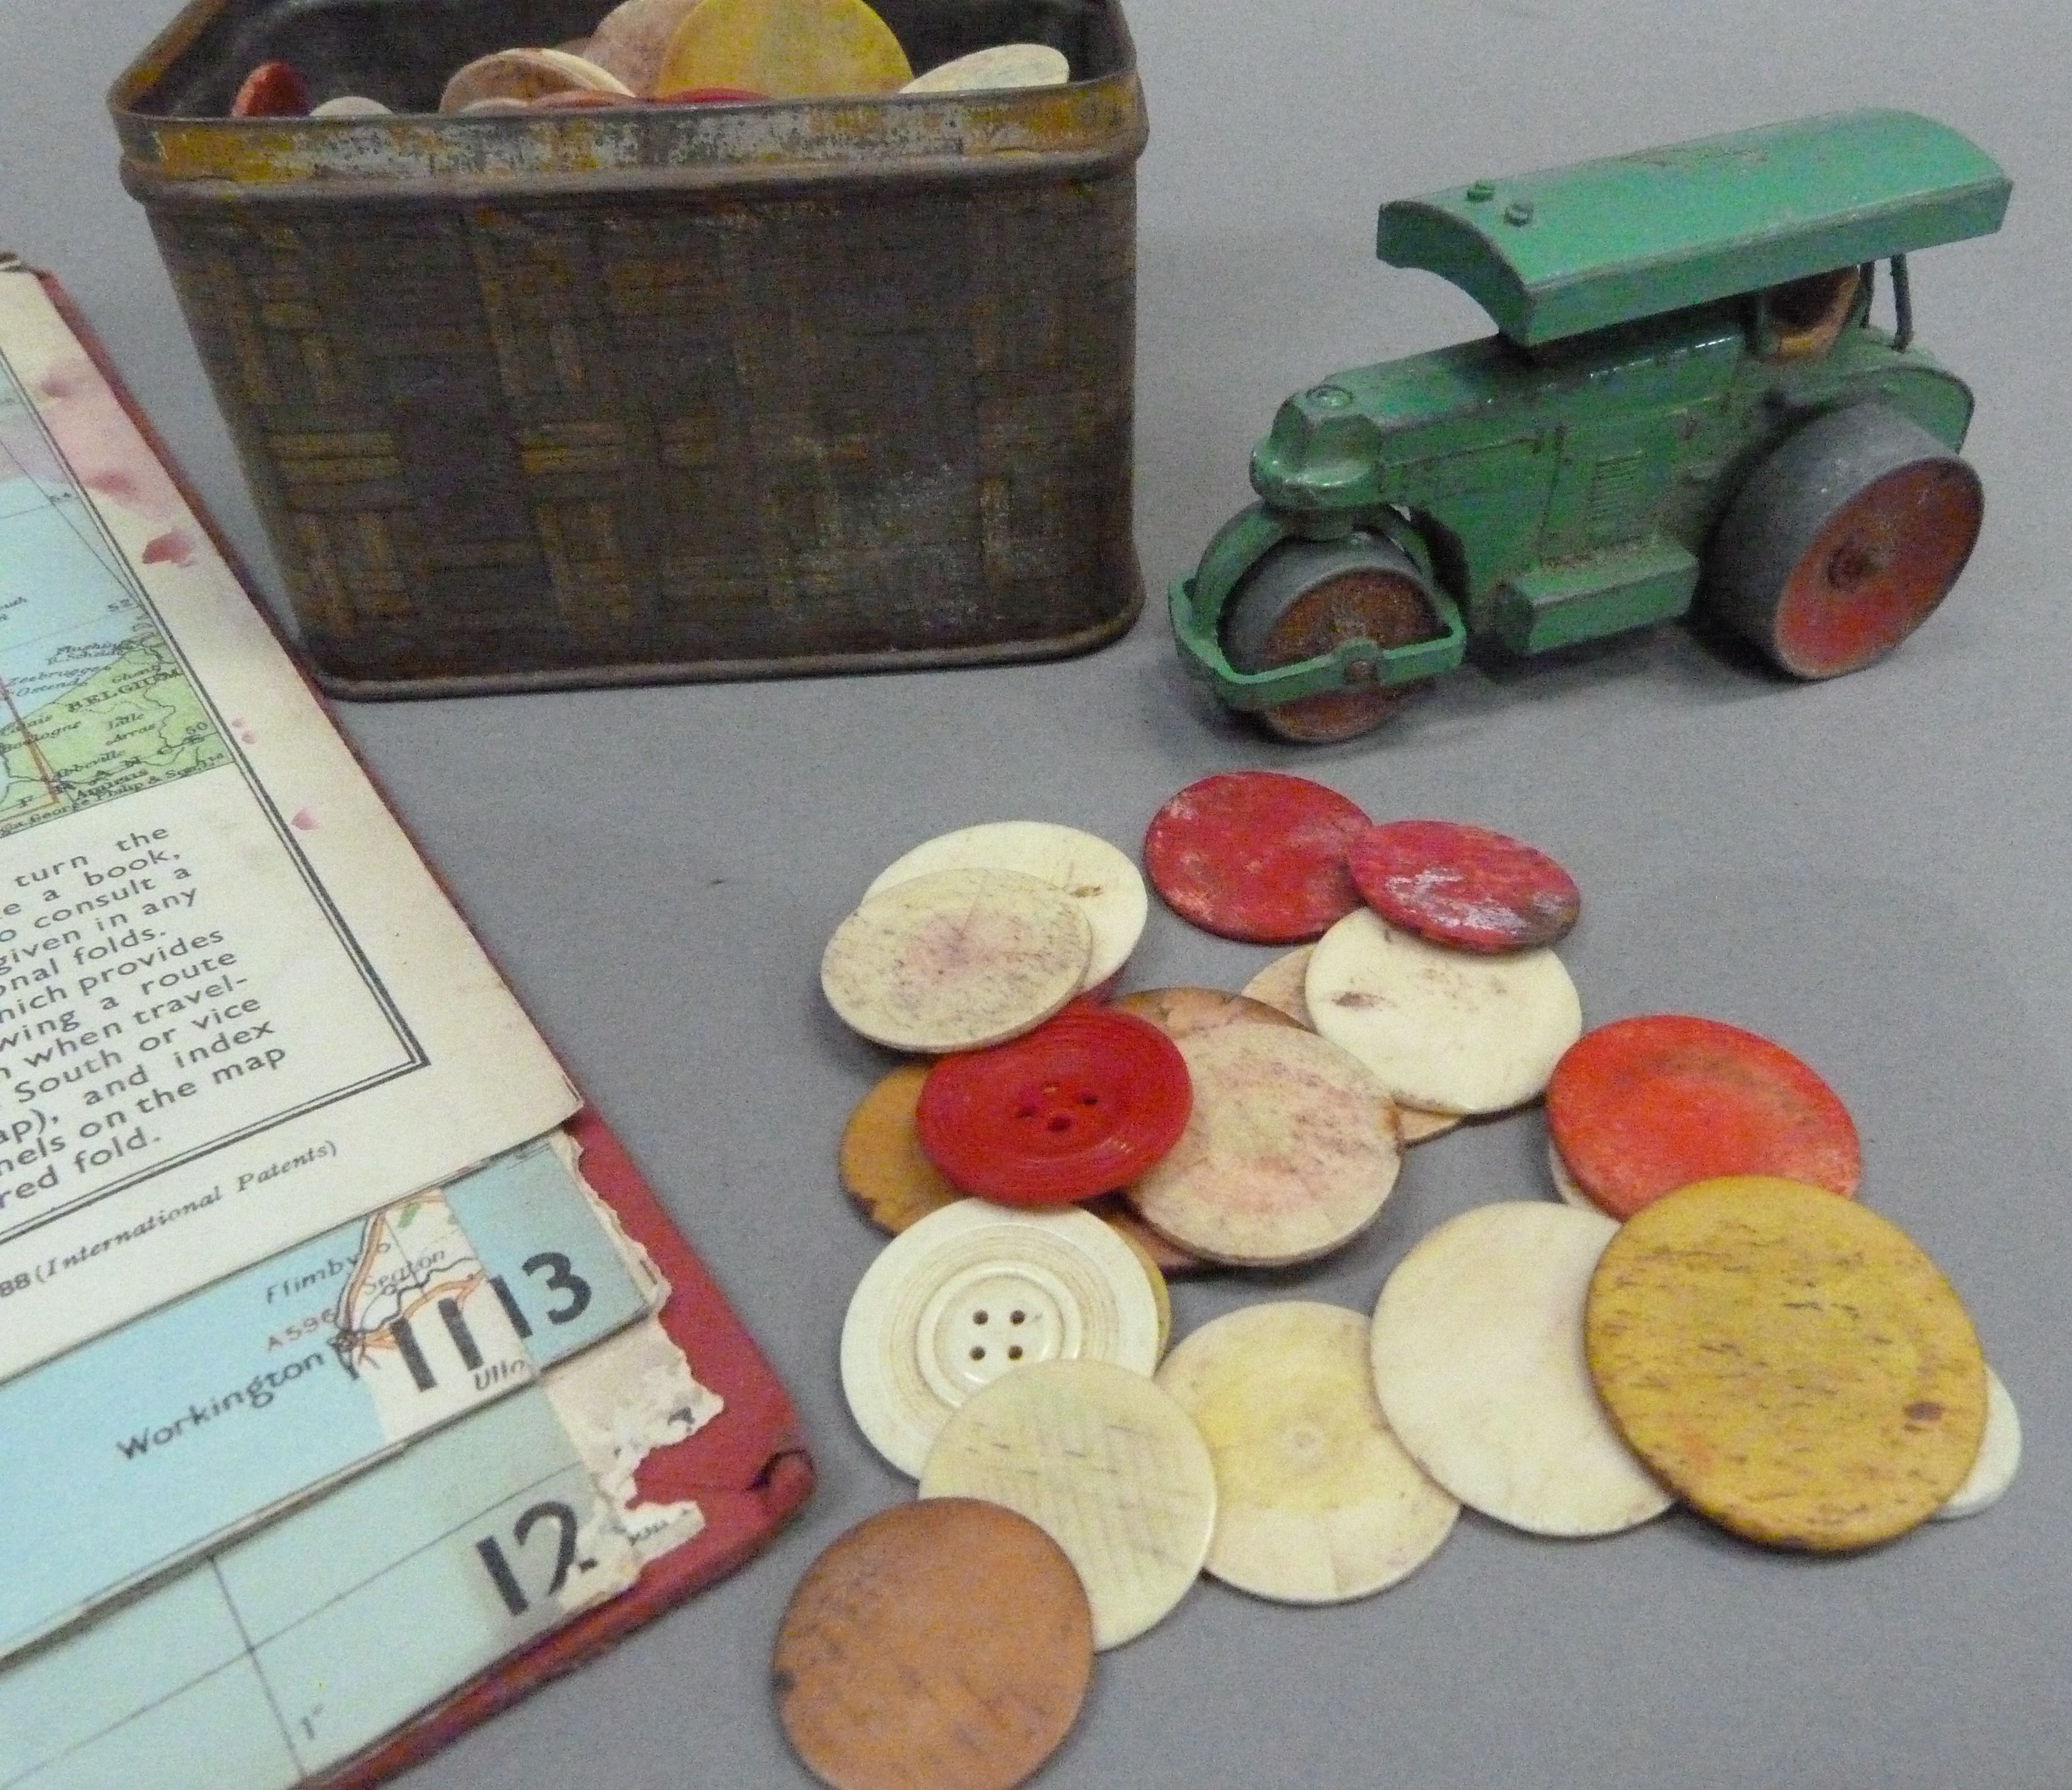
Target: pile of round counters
<point>688,53</point>
<point>1432,965</point>
<point>1549,1366</point>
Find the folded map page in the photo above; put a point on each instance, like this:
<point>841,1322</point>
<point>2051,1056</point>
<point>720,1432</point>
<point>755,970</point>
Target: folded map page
<point>235,1009</point>
<point>158,1440</point>
<point>289,1652</point>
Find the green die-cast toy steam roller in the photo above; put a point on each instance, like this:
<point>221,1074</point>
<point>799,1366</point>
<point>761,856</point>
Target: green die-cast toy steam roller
<point>1687,400</point>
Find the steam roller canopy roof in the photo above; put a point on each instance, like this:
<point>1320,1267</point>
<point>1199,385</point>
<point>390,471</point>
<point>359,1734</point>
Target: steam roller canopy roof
<point>1552,254</point>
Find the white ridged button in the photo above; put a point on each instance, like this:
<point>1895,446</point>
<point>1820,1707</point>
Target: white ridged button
<point>971,1292</point>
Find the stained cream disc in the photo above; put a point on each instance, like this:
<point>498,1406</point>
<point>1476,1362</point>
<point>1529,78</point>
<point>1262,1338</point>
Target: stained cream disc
<point>1280,984</point>
<point>1114,1210</point>
<point>1420,1125</point>
<point>527,75</point>
<point>957,960</point>
<point>1106,885</point>
<point>630,39</point>
<point>1791,1362</point>
<point>1317,1502</point>
<point>1455,1031</point>
<point>1289,1150</point>
<point>1181,1012</point>
<point>973,1292</point>
<point>1000,65</point>
<point>789,49</point>
<point>1478,1363</point>
<point>1108,1465</point>
<point>1999,1456</point>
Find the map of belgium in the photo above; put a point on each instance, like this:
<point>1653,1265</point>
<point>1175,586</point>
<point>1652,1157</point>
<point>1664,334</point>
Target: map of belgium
<point>93,703</point>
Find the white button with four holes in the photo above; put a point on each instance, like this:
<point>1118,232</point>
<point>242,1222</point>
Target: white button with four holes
<point>973,1291</point>
<point>986,1321</point>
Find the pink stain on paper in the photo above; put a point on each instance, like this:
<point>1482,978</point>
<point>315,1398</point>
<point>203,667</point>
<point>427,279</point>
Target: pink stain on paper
<point>95,434</point>
<point>172,548</point>
<point>303,820</point>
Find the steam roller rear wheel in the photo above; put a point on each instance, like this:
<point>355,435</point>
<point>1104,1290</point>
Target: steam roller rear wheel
<point>1843,541</point>
<point>1306,598</point>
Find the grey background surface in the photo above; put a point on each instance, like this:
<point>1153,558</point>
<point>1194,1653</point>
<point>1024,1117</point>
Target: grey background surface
<point>1874,872</point>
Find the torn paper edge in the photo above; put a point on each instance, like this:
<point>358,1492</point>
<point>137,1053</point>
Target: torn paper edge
<point>620,1400</point>
<point>654,1287</point>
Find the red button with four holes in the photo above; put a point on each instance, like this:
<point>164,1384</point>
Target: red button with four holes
<point>1088,1101</point>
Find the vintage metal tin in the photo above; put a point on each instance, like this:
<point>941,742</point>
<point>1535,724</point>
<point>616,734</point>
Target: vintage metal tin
<point>638,394</point>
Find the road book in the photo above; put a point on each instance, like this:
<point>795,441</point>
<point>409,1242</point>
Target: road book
<point>320,1296</point>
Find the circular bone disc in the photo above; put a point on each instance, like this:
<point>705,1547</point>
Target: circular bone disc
<point>1447,1030</point>
<point>1105,882</point>
<point>1463,886</point>
<point>1565,1189</point>
<point>349,105</point>
<point>789,49</point>
<point>1181,1012</point>
<point>1255,855</point>
<point>1999,1456</point>
<point>1420,1125</point>
<point>1478,1363</point>
<point>1646,1105</point>
<point>1001,65</point>
<point>1792,1363</point>
<point>1161,1295</point>
<point>1108,1465</point>
<point>975,1292</point>
<point>883,1167</point>
<point>948,1643</point>
<point>1317,1502</point>
<point>1116,1212</point>
<point>956,960</point>
<point>630,38</point>
<point>1289,1151</point>
<point>527,75</point>
<point>1280,985</point>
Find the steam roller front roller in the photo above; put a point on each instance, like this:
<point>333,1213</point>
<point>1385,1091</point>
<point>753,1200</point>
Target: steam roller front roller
<point>1305,598</point>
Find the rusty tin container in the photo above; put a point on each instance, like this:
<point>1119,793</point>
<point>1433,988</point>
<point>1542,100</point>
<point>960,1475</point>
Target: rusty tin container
<point>629,395</point>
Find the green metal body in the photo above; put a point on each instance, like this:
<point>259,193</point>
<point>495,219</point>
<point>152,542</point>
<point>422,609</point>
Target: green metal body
<point>1559,482</point>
